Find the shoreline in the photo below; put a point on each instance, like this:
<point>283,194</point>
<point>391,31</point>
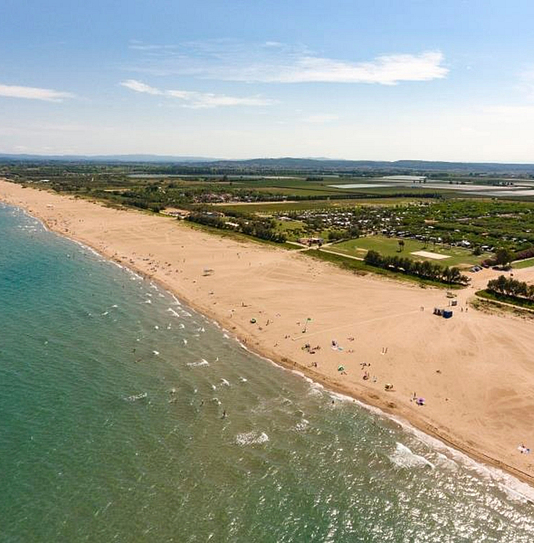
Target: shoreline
<point>387,403</point>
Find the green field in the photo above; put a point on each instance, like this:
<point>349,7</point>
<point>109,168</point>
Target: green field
<point>390,247</point>
<point>523,263</point>
<point>281,207</point>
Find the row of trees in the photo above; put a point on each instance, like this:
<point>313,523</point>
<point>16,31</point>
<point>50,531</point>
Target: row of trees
<point>262,229</point>
<point>511,287</point>
<point>424,269</point>
<point>503,257</point>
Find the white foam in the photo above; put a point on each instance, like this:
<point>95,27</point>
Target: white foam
<point>251,438</point>
<point>198,364</point>
<point>136,397</point>
<point>506,482</point>
<point>301,425</point>
<point>173,313</point>
<point>403,457</point>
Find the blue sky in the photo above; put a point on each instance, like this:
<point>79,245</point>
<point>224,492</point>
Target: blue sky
<point>385,80</point>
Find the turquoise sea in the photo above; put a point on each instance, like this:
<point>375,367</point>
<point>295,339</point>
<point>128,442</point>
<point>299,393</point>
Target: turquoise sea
<point>112,395</point>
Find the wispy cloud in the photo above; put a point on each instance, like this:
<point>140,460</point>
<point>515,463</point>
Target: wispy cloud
<point>138,86</point>
<point>197,100</point>
<point>274,62</point>
<point>33,93</point>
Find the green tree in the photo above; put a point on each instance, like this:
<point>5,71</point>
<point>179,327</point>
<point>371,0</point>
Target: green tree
<point>503,257</point>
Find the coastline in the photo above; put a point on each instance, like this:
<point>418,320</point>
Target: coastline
<point>100,232</point>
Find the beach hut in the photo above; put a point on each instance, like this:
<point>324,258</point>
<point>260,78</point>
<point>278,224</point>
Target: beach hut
<point>447,313</point>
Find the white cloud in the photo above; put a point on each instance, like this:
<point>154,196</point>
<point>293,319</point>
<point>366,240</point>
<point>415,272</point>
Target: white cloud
<point>33,93</point>
<point>384,70</point>
<point>274,62</point>
<point>138,86</point>
<point>197,100</point>
<point>321,118</point>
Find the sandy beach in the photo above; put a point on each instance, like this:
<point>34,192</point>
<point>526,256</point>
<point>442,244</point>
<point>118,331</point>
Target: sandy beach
<point>475,370</point>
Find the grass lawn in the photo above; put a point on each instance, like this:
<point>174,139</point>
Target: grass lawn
<point>458,256</point>
<point>523,263</point>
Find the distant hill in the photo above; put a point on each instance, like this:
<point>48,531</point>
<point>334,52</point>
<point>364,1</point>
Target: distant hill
<point>287,164</point>
<point>307,164</point>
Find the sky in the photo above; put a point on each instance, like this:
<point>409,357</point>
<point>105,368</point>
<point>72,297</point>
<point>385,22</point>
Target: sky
<point>363,80</point>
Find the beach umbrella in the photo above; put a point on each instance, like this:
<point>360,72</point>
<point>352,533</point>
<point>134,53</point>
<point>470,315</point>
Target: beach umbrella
<point>341,368</point>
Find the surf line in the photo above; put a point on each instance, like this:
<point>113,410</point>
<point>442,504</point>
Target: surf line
<point>450,447</point>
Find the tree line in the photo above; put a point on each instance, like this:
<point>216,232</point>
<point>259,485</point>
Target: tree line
<point>424,269</point>
<point>511,287</point>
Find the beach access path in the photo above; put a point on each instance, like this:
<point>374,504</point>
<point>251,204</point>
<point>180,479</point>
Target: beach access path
<point>475,371</point>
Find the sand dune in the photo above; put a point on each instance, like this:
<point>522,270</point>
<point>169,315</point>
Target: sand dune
<point>475,370</point>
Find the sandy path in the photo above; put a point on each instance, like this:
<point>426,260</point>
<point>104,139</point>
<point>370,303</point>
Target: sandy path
<point>476,371</point>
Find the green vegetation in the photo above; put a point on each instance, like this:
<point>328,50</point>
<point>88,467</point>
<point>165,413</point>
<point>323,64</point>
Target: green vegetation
<point>503,298</point>
<point>361,268</point>
<point>259,228</point>
<point>275,201</point>
<point>508,286</point>
<point>303,205</point>
<point>457,256</point>
<point>423,270</point>
<point>523,263</point>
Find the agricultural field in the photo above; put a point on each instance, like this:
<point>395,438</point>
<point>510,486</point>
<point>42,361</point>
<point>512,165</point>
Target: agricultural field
<point>287,206</point>
<point>445,213</point>
<point>455,256</point>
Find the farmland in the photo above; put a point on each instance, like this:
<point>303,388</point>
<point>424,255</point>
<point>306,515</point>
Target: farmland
<point>464,217</point>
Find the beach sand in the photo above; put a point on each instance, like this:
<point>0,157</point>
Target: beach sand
<point>475,371</point>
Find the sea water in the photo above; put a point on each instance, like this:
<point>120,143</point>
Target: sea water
<point>112,427</point>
